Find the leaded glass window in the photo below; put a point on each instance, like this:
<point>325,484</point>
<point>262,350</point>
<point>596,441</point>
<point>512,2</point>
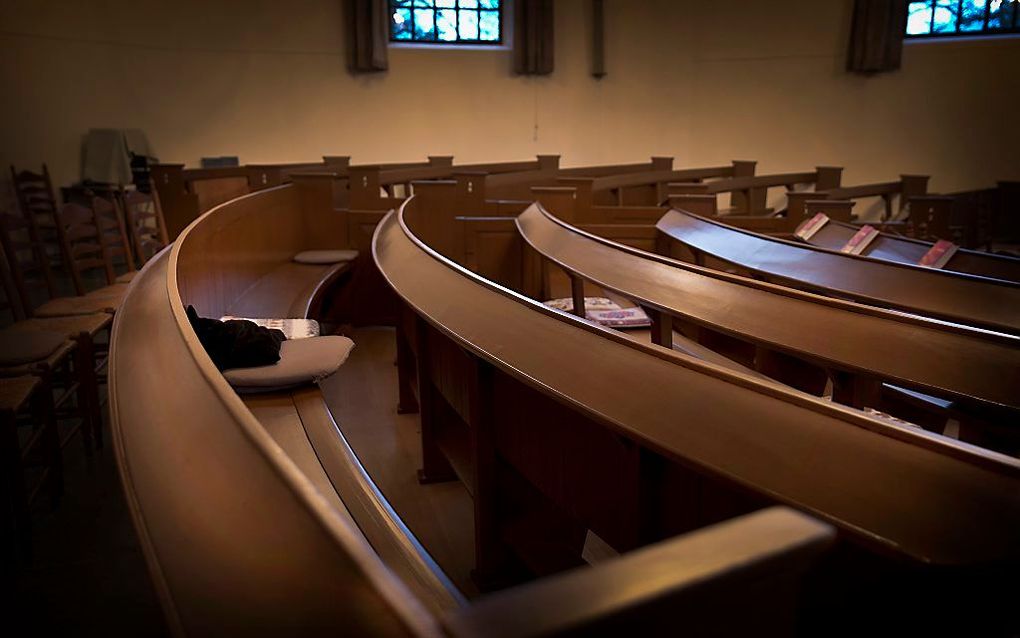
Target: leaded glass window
<point>447,21</point>
<point>962,17</point>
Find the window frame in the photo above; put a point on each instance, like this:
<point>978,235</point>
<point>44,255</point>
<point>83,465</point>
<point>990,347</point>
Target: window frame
<point>482,45</point>
<point>984,32</point>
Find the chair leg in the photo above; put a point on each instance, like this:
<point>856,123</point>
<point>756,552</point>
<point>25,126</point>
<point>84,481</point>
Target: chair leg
<point>44,414</point>
<point>16,533</point>
<point>88,393</point>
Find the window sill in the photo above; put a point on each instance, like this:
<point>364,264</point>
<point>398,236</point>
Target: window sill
<point>978,38</point>
<point>449,47</point>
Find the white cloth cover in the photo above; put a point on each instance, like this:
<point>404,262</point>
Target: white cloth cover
<point>301,361</point>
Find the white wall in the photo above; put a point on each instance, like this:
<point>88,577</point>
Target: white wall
<point>702,81</point>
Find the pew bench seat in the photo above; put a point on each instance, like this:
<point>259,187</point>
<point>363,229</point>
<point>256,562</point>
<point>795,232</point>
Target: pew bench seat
<point>290,290</point>
<point>325,257</point>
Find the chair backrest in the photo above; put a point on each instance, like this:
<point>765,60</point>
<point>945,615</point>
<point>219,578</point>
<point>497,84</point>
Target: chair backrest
<point>26,259</point>
<point>35,196</point>
<point>145,223</point>
<point>81,244</point>
<point>11,301</point>
<point>113,230</point>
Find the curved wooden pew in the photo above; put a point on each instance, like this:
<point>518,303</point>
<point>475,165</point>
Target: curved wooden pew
<point>953,297</point>
<point>256,516</point>
<point>905,250</point>
<point>505,340</point>
<point>972,366</point>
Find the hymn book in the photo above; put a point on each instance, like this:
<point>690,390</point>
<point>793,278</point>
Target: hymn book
<point>939,255</point>
<point>808,228</point>
<point>860,241</point>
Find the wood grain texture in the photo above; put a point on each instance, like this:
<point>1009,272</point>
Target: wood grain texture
<point>840,335</point>
<point>516,335</point>
<point>954,297</point>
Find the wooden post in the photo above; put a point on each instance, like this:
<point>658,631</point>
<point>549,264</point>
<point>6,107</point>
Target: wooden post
<point>912,186</point>
<point>577,294</point>
<point>704,205</point>
<point>796,205</point>
<point>857,391</point>
<point>435,468</point>
<point>548,162</point>
<point>490,551</point>
<point>662,163</point>
<point>558,200</point>
<point>662,327</point>
<point>738,200</point>
<point>840,210</point>
<point>828,177</point>
<point>407,403</point>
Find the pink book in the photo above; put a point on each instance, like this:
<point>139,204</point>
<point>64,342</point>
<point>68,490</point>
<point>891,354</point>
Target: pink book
<point>859,242</point>
<point>808,228</point>
<point>939,255</point>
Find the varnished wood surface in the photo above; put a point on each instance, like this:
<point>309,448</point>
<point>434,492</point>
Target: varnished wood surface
<point>737,551</point>
<point>905,250</point>
<point>237,538</point>
<point>843,335</point>
<point>962,299</point>
<point>815,456</point>
<point>232,499</point>
<point>361,397</point>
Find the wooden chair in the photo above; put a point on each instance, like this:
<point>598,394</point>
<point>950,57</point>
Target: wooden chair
<point>24,350</point>
<point>145,223</point>
<point>84,250</point>
<point>38,205</point>
<point>109,219</point>
<point>31,278</point>
<point>26,396</point>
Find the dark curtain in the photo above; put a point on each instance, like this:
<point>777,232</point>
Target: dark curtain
<point>533,37</point>
<point>368,34</point>
<point>876,35</point>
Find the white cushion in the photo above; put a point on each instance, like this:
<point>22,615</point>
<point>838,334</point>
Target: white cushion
<point>301,361</point>
<point>325,257</point>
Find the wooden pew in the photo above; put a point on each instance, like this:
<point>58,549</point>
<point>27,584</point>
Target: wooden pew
<point>501,189</point>
<point>895,195</point>
<point>256,517</point>
<point>801,339</point>
<point>888,247</point>
<point>754,190</point>
<point>540,412</point>
<point>954,297</point>
<point>186,193</point>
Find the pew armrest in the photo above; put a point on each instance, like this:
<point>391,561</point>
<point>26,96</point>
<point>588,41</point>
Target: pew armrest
<point>741,573</point>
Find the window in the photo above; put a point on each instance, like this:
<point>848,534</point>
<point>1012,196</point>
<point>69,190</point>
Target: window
<point>962,17</point>
<point>447,21</point>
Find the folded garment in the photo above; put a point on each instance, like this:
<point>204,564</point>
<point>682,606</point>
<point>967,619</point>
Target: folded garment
<point>237,343</point>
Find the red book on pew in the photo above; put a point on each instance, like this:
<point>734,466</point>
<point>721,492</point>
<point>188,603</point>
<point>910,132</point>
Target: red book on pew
<point>859,242</point>
<point>808,228</point>
<point>939,255</point>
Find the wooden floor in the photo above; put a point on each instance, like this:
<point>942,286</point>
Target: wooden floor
<point>362,397</point>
